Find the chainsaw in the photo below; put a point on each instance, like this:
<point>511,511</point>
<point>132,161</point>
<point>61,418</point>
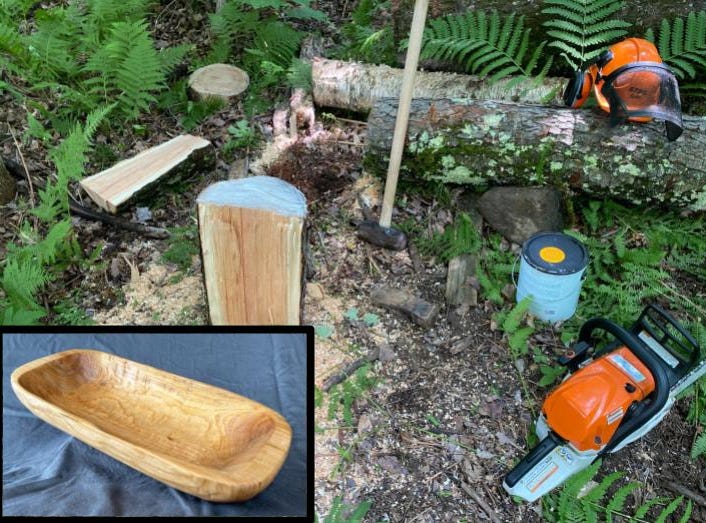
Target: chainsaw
<point>611,397</point>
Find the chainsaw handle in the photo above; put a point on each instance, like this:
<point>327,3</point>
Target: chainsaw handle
<point>646,356</point>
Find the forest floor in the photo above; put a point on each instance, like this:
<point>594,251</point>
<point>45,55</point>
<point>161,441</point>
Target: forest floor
<point>439,418</point>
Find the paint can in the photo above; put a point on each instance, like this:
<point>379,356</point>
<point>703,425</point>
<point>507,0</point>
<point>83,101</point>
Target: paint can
<point>552,268</point>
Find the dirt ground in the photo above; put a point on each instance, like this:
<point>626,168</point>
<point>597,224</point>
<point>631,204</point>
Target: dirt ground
<point>446,418</point>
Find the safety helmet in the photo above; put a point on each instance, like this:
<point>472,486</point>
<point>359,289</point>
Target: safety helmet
<point>631,83</point>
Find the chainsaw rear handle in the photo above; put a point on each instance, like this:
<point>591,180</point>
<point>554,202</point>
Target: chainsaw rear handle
<point>661,392</point>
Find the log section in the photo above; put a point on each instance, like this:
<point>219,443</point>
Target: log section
<point>355,86</point>
<point>501,143</point>
<point>251,243</point>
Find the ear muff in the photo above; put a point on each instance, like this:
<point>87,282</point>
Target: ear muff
<point>578,89</point>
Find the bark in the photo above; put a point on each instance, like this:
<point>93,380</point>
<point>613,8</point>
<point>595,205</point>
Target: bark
<point>8,188</point>
<point>500,143</point>
<point>356,86</point>
<point>642,13</point>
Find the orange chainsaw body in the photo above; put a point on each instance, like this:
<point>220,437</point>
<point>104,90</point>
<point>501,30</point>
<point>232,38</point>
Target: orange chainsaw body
<point>586,409</point>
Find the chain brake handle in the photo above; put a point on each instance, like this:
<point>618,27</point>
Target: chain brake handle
<point>689,350</point>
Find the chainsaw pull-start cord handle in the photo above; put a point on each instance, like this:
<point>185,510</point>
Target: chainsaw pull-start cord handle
<point>646,356</point>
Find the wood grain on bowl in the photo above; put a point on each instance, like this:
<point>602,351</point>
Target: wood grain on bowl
<point>195,437</point>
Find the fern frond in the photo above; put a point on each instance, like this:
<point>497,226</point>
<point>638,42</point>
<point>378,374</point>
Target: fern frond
<point>617,502</point>
<point>277,43</point>
<point>486,44</point>
<point>581,27</point>
<point>682,45</point>
<point>669,509</point>
<point>699,447</point>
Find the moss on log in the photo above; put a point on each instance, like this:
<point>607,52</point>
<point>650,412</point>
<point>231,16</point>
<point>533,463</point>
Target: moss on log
<point>487,143</point>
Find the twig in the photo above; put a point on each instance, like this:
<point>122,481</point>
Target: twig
<point>476,497</point>
<point>684,491</point>
<point>29,178</point>
<point>150,232</point>
<point>349,369</point>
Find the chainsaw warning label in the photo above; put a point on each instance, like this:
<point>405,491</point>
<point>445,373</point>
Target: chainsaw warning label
<point>541,473</point>
<point>627,367</point>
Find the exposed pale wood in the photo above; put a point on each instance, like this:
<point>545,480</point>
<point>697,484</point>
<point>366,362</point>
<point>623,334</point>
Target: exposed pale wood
<point>251,243</point>
<point>221,81</point>
<point>356,86</point>
<point>420,311</point>
<point>125,180</point>
<point>195,437</point>
<point>8,187</point>
<point>459,290</point>
<point>501,143</point>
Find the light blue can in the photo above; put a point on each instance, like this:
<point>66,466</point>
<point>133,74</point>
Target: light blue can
<point>552,267</point>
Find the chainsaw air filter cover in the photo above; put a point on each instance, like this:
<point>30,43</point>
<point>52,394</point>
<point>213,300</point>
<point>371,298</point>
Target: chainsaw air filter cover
<point>587,409</point>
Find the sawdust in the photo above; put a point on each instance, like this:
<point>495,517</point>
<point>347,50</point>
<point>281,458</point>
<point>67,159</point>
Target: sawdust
<point>162,295</point>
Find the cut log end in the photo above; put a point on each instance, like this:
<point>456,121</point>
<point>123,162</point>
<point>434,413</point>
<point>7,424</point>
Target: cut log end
<point>220,81</point>
<point>251,242</point>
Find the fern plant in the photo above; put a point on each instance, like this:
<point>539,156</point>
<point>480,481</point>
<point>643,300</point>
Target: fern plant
<point>341,513</point>
<point>459,238</point>
<point>582,28</point>
<point>682,44</point>
<point>485,44</point>
<point>582,500</point>
<point>365,41</point>
<point>32,264</point>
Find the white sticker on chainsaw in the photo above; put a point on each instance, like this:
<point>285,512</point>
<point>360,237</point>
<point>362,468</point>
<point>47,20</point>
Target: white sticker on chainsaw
<point>541,473</point>
<point>628,367</point>
<point>614,416</point>
<point>657,348</point>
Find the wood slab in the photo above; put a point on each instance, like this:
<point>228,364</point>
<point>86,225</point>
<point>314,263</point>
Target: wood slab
<point>195,437</point>
<point>117,185</point>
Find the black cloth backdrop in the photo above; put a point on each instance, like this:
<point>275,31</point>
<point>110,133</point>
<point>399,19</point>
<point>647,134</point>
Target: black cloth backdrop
<point>46,472</point>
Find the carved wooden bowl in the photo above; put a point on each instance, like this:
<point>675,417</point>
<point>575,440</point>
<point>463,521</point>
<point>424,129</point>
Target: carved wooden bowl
<point>195,437</point>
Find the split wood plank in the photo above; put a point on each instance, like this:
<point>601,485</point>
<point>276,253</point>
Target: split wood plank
<point>251,244</point>
<point>119,184</point>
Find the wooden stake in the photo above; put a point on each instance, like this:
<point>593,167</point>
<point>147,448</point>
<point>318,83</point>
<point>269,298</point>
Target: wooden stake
<point>415,48</point>
<point>251,244</point>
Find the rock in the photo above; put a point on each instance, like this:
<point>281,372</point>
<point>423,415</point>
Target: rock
<point>143,214</point>
<point>392,464</point>
<point>519,212</point>
<point>314,291</point>
<point>386,352</point>
<point>364,424</point>
<point>421,312</point>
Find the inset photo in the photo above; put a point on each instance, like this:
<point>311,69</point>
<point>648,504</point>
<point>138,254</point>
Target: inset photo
<point>144,423</point>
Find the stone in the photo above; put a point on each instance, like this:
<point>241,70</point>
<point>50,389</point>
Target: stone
<point>386,352</point>
<point>519,212</point>
<point>420,311</point>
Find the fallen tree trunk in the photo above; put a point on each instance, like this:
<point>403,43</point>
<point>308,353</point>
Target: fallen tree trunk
<point>500,143</point>
<point>356,86</point>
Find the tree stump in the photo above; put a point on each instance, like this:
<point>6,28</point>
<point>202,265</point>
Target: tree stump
<point>220,81</point>
<point>251,244</point>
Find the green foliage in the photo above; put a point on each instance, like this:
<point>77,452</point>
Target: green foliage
<point>682,45</point>
<point>364,41</point>
<point>699,447</point>
<point>191,113</point>
<point>183,246</point>
<point>260,33</point>
<point>36,260</point>
<point>341,513</point>
<point>582,28</point>
<point>343,395</point>
<point>459,238</point>
<point>636,256</point>
<point>485,44</point>
<point>88,54</point>
<point>576,502</point>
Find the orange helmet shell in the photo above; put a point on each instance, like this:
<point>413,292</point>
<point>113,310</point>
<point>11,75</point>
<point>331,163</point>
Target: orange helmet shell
<point>623,53</point>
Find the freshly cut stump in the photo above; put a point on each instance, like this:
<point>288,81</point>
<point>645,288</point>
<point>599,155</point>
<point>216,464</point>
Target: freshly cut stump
<point>220,81</point>
<point>251,244</point>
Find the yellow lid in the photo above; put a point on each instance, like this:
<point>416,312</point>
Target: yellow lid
<point>552,254</point>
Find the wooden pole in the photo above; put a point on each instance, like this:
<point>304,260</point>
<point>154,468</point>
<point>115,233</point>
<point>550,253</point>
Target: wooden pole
<point>413,51</point>
<point>251,243</point>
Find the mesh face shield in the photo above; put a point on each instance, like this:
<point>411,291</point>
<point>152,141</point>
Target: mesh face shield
<point>643,90</point>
